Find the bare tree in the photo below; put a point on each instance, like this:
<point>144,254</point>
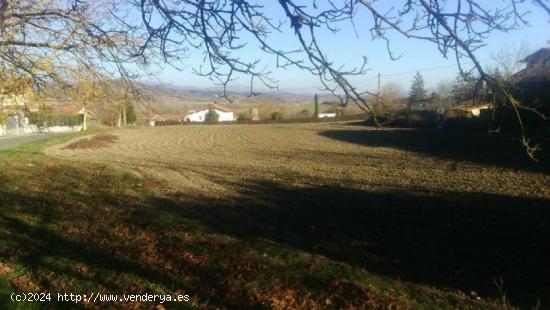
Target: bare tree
<point>48,41</point>
<point>444,88</point>
<point>509,57</point>
<point>390,95</point>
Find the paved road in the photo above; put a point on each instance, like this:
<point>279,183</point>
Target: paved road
<point>7,142</point>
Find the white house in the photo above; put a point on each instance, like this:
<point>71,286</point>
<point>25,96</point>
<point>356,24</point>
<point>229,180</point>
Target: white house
<point>152,119</point>
<point>225,114</point>
<point>327,115</point>
<point>470,110</point>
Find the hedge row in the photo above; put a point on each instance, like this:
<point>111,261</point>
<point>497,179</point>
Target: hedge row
<point>55,119</point>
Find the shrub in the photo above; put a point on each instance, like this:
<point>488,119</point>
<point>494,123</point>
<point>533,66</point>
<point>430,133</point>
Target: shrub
<point>211,116</point>
<point>55,119</point>
<point>243,117</point>
<point>277,116</point>
<point>131,116</point>
<point>3,118</point>
<point>415,119</point>
<point>466,123</point>
<point>303,114</point>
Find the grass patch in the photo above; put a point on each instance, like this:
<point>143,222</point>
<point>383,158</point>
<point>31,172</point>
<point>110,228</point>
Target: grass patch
<point>34,149</point>
<point>6,289</point>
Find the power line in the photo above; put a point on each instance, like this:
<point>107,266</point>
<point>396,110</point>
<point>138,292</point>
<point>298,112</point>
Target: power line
<point>421,70</point>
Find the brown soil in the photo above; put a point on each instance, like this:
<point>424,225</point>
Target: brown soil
<point>97,141</point>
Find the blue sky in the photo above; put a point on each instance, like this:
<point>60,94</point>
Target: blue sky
<point>345,48</point>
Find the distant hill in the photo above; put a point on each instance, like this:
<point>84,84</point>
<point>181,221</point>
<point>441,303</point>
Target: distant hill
<point>170,99</point>
<point>166,99</point>
<point>203,94</point>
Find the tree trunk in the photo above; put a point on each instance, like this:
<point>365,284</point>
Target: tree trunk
<point>85,120</point>
<point>119,120</point>
<point>316,101</point>
<point>124,117</point>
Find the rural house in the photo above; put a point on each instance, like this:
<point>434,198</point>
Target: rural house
<point>152,119</point>
<point>327,115</point>
<point>15,108</point>
<point>176,118</point>
<point>68,109</point>
<point>65,118</point>
<point>533,81</point>
<point>225,114</point>
<point>537,66</point>
<point>468,110</point>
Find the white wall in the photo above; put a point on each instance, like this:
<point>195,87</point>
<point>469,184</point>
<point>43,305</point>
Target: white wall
<point>27,129</point>
<point>12,125</point>
<point>476,112</point>
<point>56,129</point>
<point>200,115</point>
<point>225,116</point>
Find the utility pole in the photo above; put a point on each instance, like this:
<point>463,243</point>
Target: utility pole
<point>378,91</point>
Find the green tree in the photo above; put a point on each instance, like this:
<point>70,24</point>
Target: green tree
<point>276,116</point>
<point>463,88</point>
<point>417,94</point>
<point>211,116</point>
<point>316,99</point>
<point>3,119</point>
<point>131,116</point>
<point>456,89</point>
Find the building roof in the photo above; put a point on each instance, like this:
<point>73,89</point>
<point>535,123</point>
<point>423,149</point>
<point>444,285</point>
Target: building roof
<point>153,117</point>
<point>68,109</point>
<point>173,117</point>
<point>221,108</point>
<point>538,71</point>
<point>214,106</point>
<point>543,52</point>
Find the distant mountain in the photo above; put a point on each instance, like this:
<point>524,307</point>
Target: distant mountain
<point>172,99</point>
<point>239,92</point>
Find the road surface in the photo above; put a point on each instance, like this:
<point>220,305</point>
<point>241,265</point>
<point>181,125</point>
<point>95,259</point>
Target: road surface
<point>7,142</point>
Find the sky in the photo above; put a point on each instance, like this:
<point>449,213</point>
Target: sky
<point>346,48</point>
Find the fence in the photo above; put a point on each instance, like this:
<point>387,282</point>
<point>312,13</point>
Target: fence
<point>55,120</point>
<point>34,123</point>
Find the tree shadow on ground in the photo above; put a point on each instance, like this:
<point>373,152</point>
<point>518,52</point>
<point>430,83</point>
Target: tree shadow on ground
<point>78,238</point>
<point>58,236</point>
<point>463,241</point>
<point>478,147</point>
<point>95,234</point>
<point>82,228</point>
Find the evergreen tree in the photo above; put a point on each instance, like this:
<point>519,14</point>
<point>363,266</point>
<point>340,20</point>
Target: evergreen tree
<point>211,116</point>
<point>463,88</point>
<point>130,113</point>
<point>417,94</point>
<point>456,90</point>
<point>316,99</point>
